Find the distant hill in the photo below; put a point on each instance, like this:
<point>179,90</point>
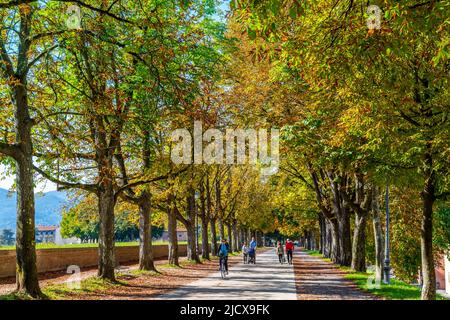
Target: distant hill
<point>48,208</point>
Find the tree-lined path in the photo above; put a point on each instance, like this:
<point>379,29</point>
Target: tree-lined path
<point>144,111</point>
<point>267,280</point>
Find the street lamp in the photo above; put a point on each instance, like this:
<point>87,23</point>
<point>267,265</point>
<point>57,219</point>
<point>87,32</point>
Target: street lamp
<point>387,268</point>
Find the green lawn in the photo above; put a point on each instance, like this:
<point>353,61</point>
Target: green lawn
<point>314,253</point>
<point>62,290</point>
<point>396,290</point>
<point>92,284</point>
<point>84,245</point>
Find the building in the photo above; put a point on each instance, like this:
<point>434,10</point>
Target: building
<point>52,234</point>
<point>447,273</point>
<point>46,234</point>
<point>181,235</point>
<point>443,275</point>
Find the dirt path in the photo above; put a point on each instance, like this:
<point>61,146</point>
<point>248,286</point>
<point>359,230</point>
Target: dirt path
<point>317,279</point>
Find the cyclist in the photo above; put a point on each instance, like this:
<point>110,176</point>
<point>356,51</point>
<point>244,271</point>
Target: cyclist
<point>289,249</point>
<point>224,248</point>
<point>252,250</point>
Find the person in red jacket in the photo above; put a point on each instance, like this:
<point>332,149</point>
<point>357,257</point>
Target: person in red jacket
<point>289,249</point>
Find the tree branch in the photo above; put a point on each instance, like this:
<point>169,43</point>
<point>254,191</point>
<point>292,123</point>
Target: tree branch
<point>65,184</point>
<point>13,3</point>
<point>41,55</point>
<point>142,182</point>
<point>11,150</point>
<point>102,11</point>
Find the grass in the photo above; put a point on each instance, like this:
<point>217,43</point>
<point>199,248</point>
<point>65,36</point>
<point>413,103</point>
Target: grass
<point>168,265</point>
<point>15,296</point>
<point>89,285</point>
<point>85,245</point>
<point>188,263</point>
<point>314,253</point>
<point>396,290</point>
<point>138,272</point>
<point>233,254</point>
<point>63,290</point>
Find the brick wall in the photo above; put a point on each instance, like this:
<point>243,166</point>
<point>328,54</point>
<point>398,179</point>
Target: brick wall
<point>60,259</point>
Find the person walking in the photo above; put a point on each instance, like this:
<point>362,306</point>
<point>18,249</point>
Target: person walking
<point>280,252</point>
<point>245,252</point>
<point>252,250</point>
<point>289,249</point>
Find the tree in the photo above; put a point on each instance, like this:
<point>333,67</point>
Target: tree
<point>7,237</point>
<point>384,73</point>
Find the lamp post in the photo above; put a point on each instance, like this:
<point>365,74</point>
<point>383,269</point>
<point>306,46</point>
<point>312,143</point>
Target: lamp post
<point>387,268</point>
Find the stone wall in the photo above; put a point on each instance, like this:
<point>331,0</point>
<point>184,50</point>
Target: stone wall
<point>60,259</point>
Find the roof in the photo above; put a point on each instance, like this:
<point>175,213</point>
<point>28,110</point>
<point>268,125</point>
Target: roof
<point>46,228</point>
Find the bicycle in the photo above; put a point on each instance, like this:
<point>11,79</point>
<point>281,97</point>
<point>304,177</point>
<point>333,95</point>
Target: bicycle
<point>223,270</point>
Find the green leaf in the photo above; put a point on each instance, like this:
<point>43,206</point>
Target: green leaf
<point>251,33</point>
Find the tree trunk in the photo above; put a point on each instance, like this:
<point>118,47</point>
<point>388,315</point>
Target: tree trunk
<point>317,241</point>
<point>205,242</point>
<point>145,234</point>
<point>341,212</point>
<point>230,237</point>
<point>204,215</point>
<point>322,234</point>
<point>311,240</point>
<point>378,235</point>
<point>213,237</point>
<point>192,253</point>
<point>235,236</point>
<point>106,205</point>
<point>209,216</point>
<point>258,238</point>
<point>173,239</point>
<point>221,229</point>
<point>334,243</point>
<point>26,270</point>
<point>191,247</point>
<point>344,238</point>
<point>359,243</point>
<point>426,241</point>
<point>329,239</point>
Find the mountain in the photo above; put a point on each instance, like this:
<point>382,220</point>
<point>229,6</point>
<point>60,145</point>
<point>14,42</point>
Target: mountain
<point>48,208</point>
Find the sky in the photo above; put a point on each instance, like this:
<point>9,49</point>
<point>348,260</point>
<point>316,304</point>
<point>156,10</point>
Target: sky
<point>7,181</point>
